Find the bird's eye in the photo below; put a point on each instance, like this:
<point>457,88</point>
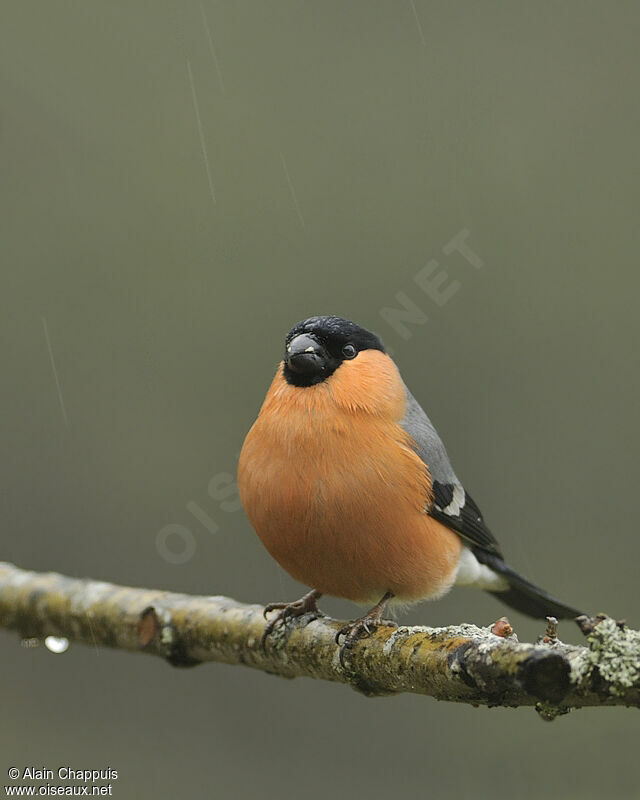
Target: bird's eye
<point>349,351</point>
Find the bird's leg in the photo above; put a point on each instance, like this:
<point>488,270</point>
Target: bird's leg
<point>304,605</point>
<point>366,624</point>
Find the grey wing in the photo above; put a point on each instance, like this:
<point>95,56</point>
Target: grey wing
<point>450,503</point>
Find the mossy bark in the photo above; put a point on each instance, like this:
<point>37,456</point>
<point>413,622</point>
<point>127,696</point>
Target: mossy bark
<point>461,663</point>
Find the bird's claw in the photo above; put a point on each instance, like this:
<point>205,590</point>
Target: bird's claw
<point>353,631</point>
<point>305,605</point>
<point>274,607</point>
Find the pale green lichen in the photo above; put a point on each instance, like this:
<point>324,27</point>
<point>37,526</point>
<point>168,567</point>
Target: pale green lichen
<point>397,637</point>
<point>548,712</point>
<point>615,651</point>
<point>167,636</point>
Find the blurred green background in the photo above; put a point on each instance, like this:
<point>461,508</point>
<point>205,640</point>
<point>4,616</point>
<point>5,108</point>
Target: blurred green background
<point>345,144</point>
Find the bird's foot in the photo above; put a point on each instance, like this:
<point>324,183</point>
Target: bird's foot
<point>363,626</point>
<point>305,605</point>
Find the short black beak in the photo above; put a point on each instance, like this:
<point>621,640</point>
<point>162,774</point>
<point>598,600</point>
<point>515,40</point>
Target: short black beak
<point>305,356</point>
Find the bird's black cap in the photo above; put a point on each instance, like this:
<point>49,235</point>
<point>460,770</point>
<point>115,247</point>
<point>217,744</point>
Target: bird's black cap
<point>315,348</point>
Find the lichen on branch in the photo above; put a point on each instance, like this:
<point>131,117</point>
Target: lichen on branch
<point>459,663</point>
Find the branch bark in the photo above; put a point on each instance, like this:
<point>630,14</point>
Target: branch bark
<point>462,663</point>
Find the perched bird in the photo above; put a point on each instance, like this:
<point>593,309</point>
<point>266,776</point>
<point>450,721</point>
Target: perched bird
<point>350,488</point>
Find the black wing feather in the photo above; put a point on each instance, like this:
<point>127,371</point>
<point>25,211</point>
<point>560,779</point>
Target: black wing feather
<point>522,595</point>
<point>468,523</point>
<point>447,496</point>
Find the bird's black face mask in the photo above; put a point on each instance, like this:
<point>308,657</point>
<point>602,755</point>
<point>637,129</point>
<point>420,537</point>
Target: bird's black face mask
<point>316,347</point>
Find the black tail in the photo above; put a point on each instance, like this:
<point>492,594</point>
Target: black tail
<point>523,595</point>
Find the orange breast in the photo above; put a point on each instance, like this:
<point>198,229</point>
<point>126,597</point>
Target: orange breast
<point>336,494</point>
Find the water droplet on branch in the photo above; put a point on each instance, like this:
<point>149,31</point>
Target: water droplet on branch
<point>57,644</point>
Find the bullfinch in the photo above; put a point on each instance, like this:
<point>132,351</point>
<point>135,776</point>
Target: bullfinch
<point>350,489</point>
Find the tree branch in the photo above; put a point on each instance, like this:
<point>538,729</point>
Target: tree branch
<point>463,663</point>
